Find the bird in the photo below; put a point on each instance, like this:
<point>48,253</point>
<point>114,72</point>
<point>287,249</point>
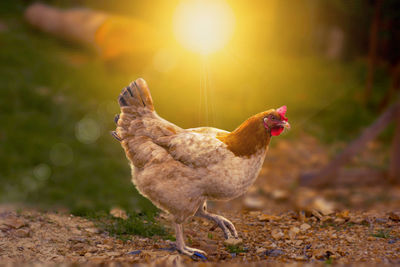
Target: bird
<point>179,169</point>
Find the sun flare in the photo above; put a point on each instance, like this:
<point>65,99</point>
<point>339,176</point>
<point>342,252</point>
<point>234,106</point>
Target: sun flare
<point>204,26</point>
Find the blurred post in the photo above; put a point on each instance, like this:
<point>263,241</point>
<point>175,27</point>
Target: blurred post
<point>326,176</point>
<point>373,45</point>
<point>112,36</point>
<point>394,168</point>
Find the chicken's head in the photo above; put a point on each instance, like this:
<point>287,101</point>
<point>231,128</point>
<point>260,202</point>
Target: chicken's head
<point>275,121</point>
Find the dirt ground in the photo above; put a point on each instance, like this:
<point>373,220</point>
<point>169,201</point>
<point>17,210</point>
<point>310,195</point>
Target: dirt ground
<point>353,221</point>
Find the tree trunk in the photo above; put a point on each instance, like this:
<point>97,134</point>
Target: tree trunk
<point>373,44</point>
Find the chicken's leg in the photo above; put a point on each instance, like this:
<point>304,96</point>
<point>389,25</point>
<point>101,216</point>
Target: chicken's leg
<point>180,243</point>
<point>226,226</point>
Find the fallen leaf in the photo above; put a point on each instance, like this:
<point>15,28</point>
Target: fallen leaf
<point>118,213</point>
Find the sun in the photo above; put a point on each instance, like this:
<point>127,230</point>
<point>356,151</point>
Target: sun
<point>204,26</point>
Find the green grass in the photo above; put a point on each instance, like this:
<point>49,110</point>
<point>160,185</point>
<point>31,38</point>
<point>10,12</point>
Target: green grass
<point>44,97</point>
<point>235,249</point>
<point>136,224</point>
<point>58,100</point>
<point>382,233</point>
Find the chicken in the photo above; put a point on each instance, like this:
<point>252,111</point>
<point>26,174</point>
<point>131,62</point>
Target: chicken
<point>180,169</point>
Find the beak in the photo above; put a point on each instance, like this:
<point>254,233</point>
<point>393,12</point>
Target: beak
<point>285,124</point>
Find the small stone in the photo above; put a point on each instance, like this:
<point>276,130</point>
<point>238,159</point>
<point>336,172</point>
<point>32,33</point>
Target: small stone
<point>13,223</point>
<point>394,216</point>
<point>113,254</point>
<point>277,234</point>
<point>279,195</point>
<point>321,254</point>
<point>88,254</point>
<point>261,250</point>
<point>77,240</point>
<point>274,252</point>
<point>323,206</point>
<point>22,233</point>
<point>339,221</point>
<point>356,220</point>
<point>76,232</point>
<point>233,241</point>
<point>294,229</point>
<point>109,242</point>
<point>293,232</point>
<point>327,219</point>
<point>273,245</point>
<point>268,218</point>
<point>298,242</point>
<point>316,214</point>
<point>300,258</point>
<point>92,230</point>
<point>253,203</point>
<point>305,227</point>
<point>344,215</point>
<point>254,213</point>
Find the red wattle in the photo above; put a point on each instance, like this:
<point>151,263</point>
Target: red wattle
<point>276,131</point>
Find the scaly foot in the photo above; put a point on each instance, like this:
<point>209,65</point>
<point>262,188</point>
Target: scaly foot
<point>190,251</point>
<point>226,226</point>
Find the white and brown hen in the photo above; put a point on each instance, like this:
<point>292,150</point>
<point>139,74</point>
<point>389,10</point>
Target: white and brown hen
<point>180,169</point>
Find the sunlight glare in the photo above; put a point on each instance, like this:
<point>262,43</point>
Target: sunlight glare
<point>204,26</point>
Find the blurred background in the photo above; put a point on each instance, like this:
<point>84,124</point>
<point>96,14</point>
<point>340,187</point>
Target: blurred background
<point>335,64</point>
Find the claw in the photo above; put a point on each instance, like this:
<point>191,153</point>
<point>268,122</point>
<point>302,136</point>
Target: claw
<point>201,256</point>
<point>116,118</point>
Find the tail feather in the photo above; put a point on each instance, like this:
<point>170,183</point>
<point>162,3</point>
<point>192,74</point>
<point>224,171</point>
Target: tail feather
<point>116,136</point>
<point>137,94</point>
<point>116,118</point>
<point>135,102</point>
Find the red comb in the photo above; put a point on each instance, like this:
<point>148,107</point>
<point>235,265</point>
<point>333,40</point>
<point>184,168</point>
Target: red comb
<point>282,111</point>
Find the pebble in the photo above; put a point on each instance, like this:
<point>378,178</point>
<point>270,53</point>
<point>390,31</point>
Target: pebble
<point>323,206</point>
<point>261,250</point>
<point>298,242</point>
<point>305,226</point>
<point>13,223</point>
<point>344,214</point>
<point>293,232</point>
<point>339,221</point>
<point>277,234</point>
<point>268,218</point>
<point>274,252</point>
<point>253,203</point>
<point>233,241</point>
<point>394,216</point>
<point>22,233</point>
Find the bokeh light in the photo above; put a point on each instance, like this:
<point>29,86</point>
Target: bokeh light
<point>42,172</point>
<point>87,130</point>
<point>203,25</point>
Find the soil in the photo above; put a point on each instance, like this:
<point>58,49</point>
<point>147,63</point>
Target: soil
<point>277,220</point>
